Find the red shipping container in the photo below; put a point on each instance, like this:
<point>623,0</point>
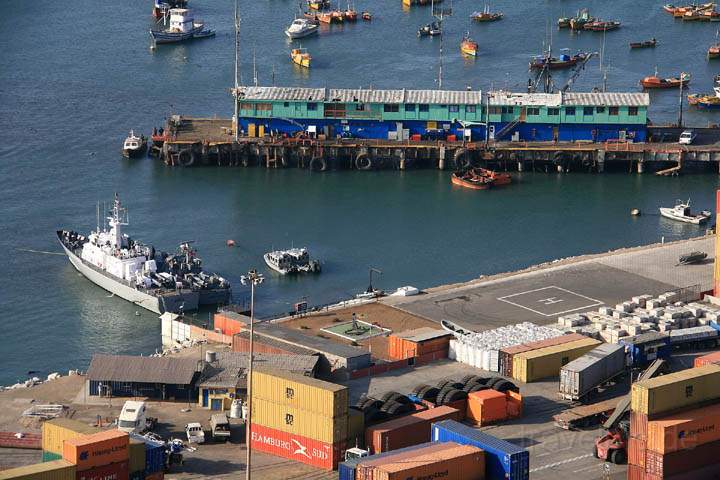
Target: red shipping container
<point>114,471</point>
<point>462,462</point>
<point>638,425</point>
<point>366,469</point>
<point>460,406</point>
<point>407,431</point>
<point>636,452</point>
<point>295,447</point>
<point>713,357</point>
<point>635,473</point>
<point>665,465</point>
<point>97,449</point>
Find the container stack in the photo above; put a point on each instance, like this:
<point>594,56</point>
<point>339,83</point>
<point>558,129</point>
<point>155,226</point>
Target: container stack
<point>99,455</point>
<point>508,353</point>
<point>503,460</point>
<point>675,426</point>
<point>546,362</point>
<point>56,431</point>
<point>298,417</point>
<point>406,431</point>
<point>482,350</point>
<point>447,460</point>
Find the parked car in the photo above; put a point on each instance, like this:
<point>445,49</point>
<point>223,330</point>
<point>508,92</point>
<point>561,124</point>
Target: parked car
<point>195,433</point>
<point>687,137</point>
<point>220,427</point>
<point>132,418</point>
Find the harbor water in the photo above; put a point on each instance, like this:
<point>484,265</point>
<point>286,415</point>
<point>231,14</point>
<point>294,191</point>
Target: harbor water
<point>74,78</point>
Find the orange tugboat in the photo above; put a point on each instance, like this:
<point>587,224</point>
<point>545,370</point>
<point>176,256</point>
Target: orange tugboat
<point>468,46</point>
<point>654,81</point>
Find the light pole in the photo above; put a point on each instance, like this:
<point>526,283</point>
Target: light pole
<point>253,278</point>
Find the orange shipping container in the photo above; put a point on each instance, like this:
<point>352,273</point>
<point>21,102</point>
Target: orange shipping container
<point>638,425</point>
<point>684,430</point>
<point>366,468</point>
<point>463,462</point>
<point>635,473</point>
<point>486,406</point>
<point>98,449</point>
<point>636,452</point>
<point>713,357</point>
<point>406,431</point>
<point>415,343</point>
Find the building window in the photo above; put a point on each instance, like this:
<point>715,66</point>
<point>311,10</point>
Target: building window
<point>587,111</point>
<point>263,107</point>
<point>508,109</point>
<point>409,107</point>
<point>360,107</point>
<point>496,110</point>
<point>614,110</point>
<point>533,111</point>
<point>569,110</point>
<point>391,108</point>
<point>286,104</point>
<point>454,108</point>
<point>289,393</point>
<point>423,107</point>
<point>633,111</point>
<point>288,419</point>
<point>334,110</point>
<point>553,112</point>
<point>312,106</point>
<point>600,110</point>
<point>470,108</point>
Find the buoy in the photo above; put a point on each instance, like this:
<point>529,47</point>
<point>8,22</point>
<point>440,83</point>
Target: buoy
<point>137,314</point>
<point>635,212</point>
<point>230,243</point>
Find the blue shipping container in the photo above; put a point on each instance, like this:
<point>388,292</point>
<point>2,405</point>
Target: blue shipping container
<point>154,454</point>
<point>346,470</point>
<point>645,348</point>
<point>503,460</point>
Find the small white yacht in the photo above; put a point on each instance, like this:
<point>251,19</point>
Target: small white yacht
<point>681,212</point>
<point>295,260</point>
<point>300,28</point>
<point>134,146</point>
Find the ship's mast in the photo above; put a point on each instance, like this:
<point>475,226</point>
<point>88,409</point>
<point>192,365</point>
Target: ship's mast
<point>237,69</point>
<point>116,221</point>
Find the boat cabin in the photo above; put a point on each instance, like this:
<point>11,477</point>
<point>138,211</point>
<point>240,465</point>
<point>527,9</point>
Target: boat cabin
<point>407,114</point>
<point>181,20</point>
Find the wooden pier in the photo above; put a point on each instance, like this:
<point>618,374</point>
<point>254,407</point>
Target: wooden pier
<point>209,141</point>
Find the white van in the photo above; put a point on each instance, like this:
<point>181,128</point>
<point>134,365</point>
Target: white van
<point>132,417</point>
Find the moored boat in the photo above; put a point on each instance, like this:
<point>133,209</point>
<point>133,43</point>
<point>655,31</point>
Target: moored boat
<point>486,15</point>
<point>654,81</point>
<point>468,46</point>
<point>350,14</point>
<point>582,18</point>
<point>682,213</point>
<point>182,27</point>
<point>134,146</point>
<point>367,16</point>
<point>497,178</point>
<point>468,179</point>
<point>644,44</point>
<point>714,51</point>
<point>162,7</point>
<point>563,22</point>
<point>707,101</point>
<point>555,63</point>
<point>294,260</point>
<point>318,4</point>
<point>429,30</point>
<point>300,28</point>
<point>300,56</point>
<point>602,26</point>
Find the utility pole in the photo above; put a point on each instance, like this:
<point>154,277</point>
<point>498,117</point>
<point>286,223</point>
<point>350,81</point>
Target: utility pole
<point>253,278</point>
<point>236,119</point>
<point>680,98</point>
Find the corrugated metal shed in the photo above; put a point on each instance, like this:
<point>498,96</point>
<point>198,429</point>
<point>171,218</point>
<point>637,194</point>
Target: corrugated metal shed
<point>637,99</point>
<point>317,344</point>
<point>126,368</point>
<point>502,97</point>
<point>231,368</point>
<point>361,95</point>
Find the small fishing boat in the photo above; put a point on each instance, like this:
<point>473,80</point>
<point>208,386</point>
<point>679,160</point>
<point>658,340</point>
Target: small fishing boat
<point>497,178</point>
<point>300,28</point>
<point>134,146</point>
<point>324,17</point>
<point>554,63</point>
<point>337,16</point>
<point>486,15</point>
<point>602,26</point>
<point>681,212</point>
<point>563,22</point>
<point>367,16</point>
<point>714,51</point>
<point>300,56</point>
<point>350,14</point>
<point>654,81</point>
<point>468,179</point>
<point>669,8</point>
<point>318,4</point>
<point>429,30</point>
<point>710,16</point>
<point>645,44</point>
<point>468,46</point>
<point>707,101</point>
<point>294,260</point>
<point>582,18</point>
<point>182,27</point>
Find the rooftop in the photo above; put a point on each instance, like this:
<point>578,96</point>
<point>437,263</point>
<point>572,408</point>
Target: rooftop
<point>313,343</point>
<point>231,368</point>
<point>271,342</point>
<point>423,334</point>
<point>127,368</point>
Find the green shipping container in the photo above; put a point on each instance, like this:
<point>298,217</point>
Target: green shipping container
<point>136,455</point>
<point>50,456</point>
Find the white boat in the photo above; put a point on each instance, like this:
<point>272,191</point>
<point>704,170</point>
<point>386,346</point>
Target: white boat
<point>681,212</point>
<point>295,260</point>
<point>182,27</point>
<point>134,146</point>
<point>300,28</point>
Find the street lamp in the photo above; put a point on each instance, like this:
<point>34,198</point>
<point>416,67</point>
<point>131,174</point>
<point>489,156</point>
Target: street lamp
<point>253,278</point>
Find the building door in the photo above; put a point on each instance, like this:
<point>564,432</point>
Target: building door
<point>556,134</point>
<point>216,404</point>
<point>205,397</point>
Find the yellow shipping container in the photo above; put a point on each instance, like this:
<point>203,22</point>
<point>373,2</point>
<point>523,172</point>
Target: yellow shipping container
<point>57,430</point>
<point>306,393</point>
<point>547,362</point>
<point>55,470</point>
<point>677,390</point>
<point>136,455</point>
<point>299,422</point>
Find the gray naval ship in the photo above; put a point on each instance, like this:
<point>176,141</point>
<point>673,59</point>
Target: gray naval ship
<point>159,282</point>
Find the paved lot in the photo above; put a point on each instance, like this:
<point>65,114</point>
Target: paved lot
<point>541,295</point>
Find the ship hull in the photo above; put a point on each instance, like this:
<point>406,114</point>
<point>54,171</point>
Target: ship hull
<point>161,303</point>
